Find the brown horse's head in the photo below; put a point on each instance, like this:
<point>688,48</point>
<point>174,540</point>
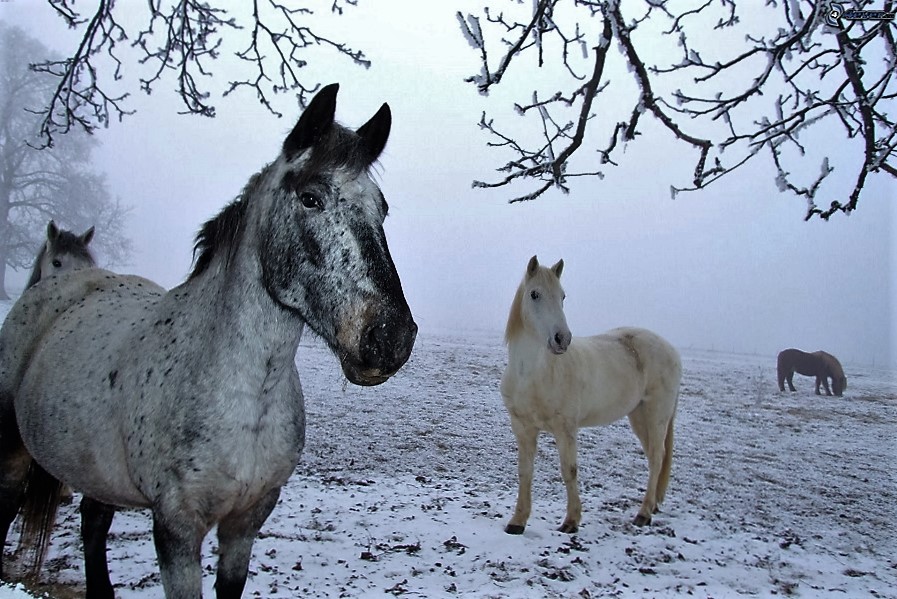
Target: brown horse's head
<point>834,370</point>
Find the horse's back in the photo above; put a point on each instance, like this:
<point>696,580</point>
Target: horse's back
<point>790,356</point>
<point>795,360</point>
<point>655,358</point>
<point>654,354</point>
<point>61,333</point>
<point>33,316</point>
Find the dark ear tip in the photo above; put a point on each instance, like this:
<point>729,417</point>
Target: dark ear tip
<point>329,90</point>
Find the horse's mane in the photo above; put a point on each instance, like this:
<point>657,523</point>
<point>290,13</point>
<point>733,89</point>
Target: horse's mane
<point>515,317</point>
<point>35,270</point>
<point>221,231</point>
<point>832,363</point>
<point>340,148</point>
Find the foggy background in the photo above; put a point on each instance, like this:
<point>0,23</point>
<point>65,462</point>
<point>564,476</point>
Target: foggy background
<point>731,268</point>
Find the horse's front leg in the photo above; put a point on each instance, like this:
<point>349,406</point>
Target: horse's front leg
<point>527,438</point>
<point>96,519</point>
<point>178,539</point>
<point>566,443</point>
<point>821,380</point>
<point>236,534</point>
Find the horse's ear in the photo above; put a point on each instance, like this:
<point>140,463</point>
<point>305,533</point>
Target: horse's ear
<point>52,231</point>
<point>375,132</point>
<point>86,236</point>
<point>558,268</point>
<point>315,121</point>
<point>531,266</point>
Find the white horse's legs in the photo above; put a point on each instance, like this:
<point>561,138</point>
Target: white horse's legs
<point>566,443</point>
<point>652,432</point>
<point>235,538</point>
<point>527,437</point>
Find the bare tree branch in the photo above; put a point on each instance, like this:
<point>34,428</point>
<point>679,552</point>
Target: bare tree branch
<point>181,39</point>
<point>731,101</point>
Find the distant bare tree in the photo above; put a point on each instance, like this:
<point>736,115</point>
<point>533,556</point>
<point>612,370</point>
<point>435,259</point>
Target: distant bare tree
<point>37,185</point>
<point>740,79</point>
<point>180,39</point>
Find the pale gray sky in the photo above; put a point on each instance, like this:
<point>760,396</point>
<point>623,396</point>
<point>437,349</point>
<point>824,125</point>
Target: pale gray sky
<point>731,268</point>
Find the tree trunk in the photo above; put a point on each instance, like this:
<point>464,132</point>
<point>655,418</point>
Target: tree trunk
<point>3,294</point>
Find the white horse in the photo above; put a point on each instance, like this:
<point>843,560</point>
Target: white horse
<point>558,383</point>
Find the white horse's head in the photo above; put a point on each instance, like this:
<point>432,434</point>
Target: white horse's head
<point>538,308</point>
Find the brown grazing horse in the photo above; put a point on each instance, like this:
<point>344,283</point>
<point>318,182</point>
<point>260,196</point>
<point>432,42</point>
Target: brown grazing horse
<point>819,364</point>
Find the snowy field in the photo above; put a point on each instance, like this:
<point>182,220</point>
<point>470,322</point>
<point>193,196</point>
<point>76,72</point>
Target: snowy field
<point>404,489</point>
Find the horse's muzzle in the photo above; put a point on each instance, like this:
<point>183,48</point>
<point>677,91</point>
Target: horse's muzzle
<point>385,346</point>
<point>559,343</point>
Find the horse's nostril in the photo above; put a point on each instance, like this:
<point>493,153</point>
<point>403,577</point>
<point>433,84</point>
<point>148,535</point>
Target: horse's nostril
<point>376,339</point>
<point>387,346</point>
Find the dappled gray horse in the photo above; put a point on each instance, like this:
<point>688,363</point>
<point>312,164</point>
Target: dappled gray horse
<point>188,402</point>
<point>61,252</point>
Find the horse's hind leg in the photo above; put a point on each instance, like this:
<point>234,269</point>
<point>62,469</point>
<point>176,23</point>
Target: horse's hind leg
<point>96,518</point>
<point>527,438</point>
<point>652,432</point>
<point>566,443</point>
<point>236,534</point>
<point>14,464</point>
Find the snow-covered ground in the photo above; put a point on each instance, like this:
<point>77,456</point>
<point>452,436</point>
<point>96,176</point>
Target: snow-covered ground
<point>404,490</point>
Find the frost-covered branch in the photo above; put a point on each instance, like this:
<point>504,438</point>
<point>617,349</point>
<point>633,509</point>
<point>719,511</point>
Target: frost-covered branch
<point>747,82</point>
<point>181,40</point>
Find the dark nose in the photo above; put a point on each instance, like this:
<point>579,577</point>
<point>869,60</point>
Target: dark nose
<point>563,339</point>
<point>386,344</point>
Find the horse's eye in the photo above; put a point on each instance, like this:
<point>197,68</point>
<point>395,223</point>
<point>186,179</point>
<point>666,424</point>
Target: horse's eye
<point>57,263</point>
<point>535,294</point>
<point>310,200</point>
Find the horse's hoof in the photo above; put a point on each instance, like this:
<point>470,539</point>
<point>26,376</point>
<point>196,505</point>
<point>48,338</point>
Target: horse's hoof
<point>569,527</point>
<point>515,529</point>
<point>642,520</point>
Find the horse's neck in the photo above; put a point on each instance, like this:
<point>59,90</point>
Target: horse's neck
<point>527,354</point>
<point>235,301</point>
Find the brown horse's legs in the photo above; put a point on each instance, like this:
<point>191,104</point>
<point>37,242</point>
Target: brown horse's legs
<point>566,443</point>
<point>790,379</point>
<point>527,437</point>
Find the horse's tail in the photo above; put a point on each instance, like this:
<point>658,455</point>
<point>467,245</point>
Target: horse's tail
<point>664,479</point>
<point>39,504</point>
